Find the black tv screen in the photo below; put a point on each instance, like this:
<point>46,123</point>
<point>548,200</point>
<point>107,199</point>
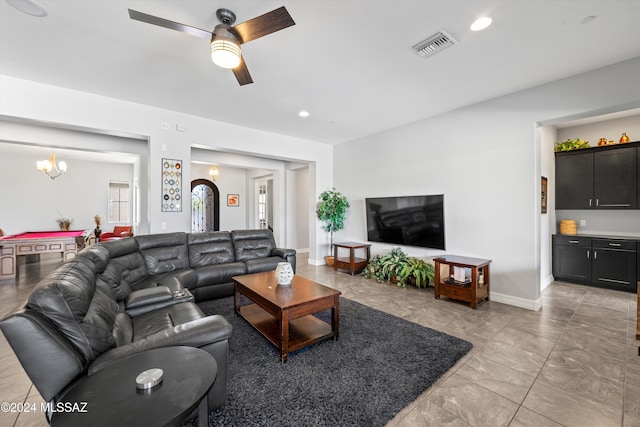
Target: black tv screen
<point>406,220</point>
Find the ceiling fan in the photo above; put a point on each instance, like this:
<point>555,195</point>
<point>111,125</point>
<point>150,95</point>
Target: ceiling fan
<point>226,38</point>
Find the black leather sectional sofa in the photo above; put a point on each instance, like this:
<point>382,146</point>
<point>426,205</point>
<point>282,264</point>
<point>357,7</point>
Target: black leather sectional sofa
<point>125,296</point>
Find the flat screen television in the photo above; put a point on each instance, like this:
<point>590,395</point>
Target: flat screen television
<point>406,220</point>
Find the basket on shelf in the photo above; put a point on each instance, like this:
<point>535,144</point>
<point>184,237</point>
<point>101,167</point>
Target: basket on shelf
<point>568,226</point>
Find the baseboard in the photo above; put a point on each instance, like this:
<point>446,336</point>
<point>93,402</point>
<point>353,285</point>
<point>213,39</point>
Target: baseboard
<point>527,304</point>
<point>320,261</point>
<point>549,280</point>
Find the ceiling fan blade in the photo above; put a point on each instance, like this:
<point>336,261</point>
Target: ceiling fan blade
<point>263,25</point>
<point>242,73</point>
<point>154,20</point>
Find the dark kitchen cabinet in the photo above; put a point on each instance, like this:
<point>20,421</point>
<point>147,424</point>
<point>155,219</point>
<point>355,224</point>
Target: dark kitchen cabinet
<point>616,178</point>
<point>599,178</point>
<point>572,258</point>
<point>574,181</point>
<point>609,263</point>
<point>614,264</point>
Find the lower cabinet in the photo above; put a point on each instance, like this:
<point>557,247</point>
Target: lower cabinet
<point>572,258</point>
<point>609,263</point>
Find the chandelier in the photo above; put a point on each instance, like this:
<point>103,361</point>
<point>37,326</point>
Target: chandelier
<point>51,168</point>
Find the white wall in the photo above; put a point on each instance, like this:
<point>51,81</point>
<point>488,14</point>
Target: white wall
<point>547,136</point>
<point>32,201</point>
<point>486,160</point>
<point>37,102</point>
<point>231,181</point>
<point>298,212</point>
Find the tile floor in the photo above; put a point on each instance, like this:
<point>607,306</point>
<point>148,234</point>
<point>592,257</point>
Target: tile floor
<point>574,363</point>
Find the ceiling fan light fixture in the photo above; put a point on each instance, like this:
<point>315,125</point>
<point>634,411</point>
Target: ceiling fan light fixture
<point>225,52</point>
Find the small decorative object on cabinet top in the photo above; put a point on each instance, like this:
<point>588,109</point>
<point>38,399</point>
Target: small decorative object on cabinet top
<point>624,138</point>
<point>603,141</point>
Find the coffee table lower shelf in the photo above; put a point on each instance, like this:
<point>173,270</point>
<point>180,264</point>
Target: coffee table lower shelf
<point>303,331</point>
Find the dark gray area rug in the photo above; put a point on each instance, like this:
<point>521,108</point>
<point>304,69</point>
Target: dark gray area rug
<point>379,365</point>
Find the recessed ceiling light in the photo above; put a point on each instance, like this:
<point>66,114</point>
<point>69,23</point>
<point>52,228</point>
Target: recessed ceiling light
<point>481,23</point>
<point>303,113</point>
<point>29,7</point>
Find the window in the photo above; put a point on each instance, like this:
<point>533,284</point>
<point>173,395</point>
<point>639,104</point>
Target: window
<point>118,201</point>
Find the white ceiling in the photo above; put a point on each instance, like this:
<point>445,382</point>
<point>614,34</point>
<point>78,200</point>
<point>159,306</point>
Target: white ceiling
<point>348,62</point>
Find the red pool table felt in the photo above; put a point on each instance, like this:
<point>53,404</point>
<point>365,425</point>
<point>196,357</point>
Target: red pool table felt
<point>44,235</point>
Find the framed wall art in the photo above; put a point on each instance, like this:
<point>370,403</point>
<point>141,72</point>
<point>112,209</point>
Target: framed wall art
<point>543,202</point>
<point>171,185</point>
<point>233,200</point>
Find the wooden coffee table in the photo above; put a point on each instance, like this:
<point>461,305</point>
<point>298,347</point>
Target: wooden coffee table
<point>284,314</point>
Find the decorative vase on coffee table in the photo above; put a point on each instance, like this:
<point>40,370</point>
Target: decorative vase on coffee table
<point>284,274</point>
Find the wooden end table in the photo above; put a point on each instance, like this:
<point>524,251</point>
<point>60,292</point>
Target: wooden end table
<point>353,264</point>
<point>284,314</point>
<point>473,292</point>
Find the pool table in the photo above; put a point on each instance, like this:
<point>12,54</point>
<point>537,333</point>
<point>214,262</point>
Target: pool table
<point>35,243</point>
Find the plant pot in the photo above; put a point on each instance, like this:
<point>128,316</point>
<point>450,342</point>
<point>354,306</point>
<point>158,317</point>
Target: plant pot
<point>412,281</point>
<point>329,260</point>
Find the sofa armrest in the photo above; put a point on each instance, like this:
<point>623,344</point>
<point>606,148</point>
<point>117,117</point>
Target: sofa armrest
<point>197,333</point>
<point>147,296</point>
<point>289,255</point>
<point>145,300</point>
<point>284,253</point>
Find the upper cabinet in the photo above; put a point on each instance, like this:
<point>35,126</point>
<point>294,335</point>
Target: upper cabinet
<point>599,178</point>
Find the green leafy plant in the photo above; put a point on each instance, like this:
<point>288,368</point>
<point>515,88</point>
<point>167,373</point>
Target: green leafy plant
<point>373,269</point>
<point>332,210</point>
<point>571,144</point>
<point>418,271</point>
<point>386,267</point>
<point>392,264</point>
<point>397,267</point>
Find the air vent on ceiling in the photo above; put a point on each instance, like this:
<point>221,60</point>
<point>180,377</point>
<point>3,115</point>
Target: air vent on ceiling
<point>434,44</point>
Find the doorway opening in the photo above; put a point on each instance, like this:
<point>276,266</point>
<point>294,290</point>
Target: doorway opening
<point>205,206</point>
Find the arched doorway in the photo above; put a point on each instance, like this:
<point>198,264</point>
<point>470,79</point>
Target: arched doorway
<point>205,206</point>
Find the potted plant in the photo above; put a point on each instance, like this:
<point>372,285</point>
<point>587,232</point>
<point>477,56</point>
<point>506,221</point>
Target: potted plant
<point>64,223</point>
<point>373,269</point>
<point>570,144</point>
<point>386,267</point>
<point>332,209</point>
<point>417,272</point>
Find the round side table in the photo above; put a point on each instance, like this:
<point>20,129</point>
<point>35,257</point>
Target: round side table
<point>109,397</point>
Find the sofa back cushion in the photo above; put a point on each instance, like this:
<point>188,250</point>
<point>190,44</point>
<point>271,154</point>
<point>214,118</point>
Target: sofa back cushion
<point>97,254</point>
<point>126,266</point>
<point>164,252</point>
<point>210,248</point>
<point>251,244</point>
<point>82,310</point>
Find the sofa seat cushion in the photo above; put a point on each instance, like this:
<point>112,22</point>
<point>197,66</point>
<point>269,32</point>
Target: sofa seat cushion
<point>164,318</point>
<point>174,280</point>
<point>201,331</point>
<point>219,273</point>
<point>259,265</point>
